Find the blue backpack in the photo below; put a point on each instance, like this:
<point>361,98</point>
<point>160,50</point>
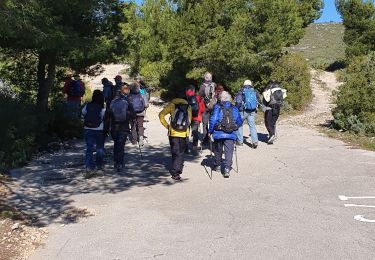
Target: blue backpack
<point>75,89</point>
<point>119,108</point>
<point>93,116</point>
<point>137,103</point>
<point>249,99</point>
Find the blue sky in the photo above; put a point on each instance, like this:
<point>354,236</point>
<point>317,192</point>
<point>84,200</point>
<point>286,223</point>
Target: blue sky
<point>329,12</point>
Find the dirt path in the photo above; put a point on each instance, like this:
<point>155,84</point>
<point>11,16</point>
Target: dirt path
<point>319,111</point>
<point>283,203</point>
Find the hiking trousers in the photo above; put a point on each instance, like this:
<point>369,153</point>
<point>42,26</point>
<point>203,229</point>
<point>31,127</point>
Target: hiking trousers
<point>205,120</point>
<point>94,142</point>
<point>226,146</point>
<point>178,146</point>
<point>195,132</point>
<point>250,118</point>
<point>270,119</point>
<point>119,138</point>
<point>137,128</point>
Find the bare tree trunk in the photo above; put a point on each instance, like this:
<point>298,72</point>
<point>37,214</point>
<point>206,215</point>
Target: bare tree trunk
<point>46,77</point>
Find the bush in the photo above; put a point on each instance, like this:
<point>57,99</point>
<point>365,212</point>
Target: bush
<point>292,71</point>
<point>355,106</point>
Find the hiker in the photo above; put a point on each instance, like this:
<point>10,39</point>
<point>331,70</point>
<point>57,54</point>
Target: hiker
<point>247,102</point>
<point>137,113</point>
<point>273,98</point>
<point>178,130</point>
<point>108,91</point>
<point>216,98</point>
<point>94,113</point>
<point>207,92</point>
<point>118,85</point>
<point>197,107</point>
<point>224,122</point>
<point>75,90</point>
<point>119,125</point>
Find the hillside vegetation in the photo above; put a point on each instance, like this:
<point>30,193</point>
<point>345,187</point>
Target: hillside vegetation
<point>322,44</point>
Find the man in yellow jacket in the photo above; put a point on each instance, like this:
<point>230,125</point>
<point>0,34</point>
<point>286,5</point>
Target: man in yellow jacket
<point>178,130</point>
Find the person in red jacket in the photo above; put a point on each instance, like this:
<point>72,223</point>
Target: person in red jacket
<point>74,89</point>
<point>198,108</point>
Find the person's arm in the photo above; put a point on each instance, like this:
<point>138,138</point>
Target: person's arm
<point>239,121</point>
<point>84,110</point>
<point>167,110</point>
<point>267,95</point>
<point>214,119</point>
<point>66,87</point>
<point>201,91</point>
<point>202,107</point>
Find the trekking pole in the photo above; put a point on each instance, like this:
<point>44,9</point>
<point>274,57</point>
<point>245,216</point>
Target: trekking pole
<point>211,156</point>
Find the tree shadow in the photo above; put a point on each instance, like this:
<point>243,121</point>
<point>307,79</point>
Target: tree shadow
<point>43,190</point>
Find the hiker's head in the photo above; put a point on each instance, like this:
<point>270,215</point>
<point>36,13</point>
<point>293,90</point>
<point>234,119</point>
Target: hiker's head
<point>225,97</point>
<point>105,81</point>
<point>124,89</point>
<point>207,77</point>
<point>68,77</point>
<point>219,89</point>
<point>190,91</point>
<point>248,83</point>
<point>97,97</point>
<point>118,79</point>
<point>76,77</point>
<point>134,88</point>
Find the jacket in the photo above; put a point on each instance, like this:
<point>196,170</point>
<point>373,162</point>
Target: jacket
<point>67,88</point>
<point>202,108</point>
<point>217,116</point>
<point>169,110</point>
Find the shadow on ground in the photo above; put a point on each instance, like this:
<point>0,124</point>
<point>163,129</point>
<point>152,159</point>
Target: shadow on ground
<point>43,190</point>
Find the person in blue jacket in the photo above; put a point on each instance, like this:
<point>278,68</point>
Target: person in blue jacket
<point>224,123</point>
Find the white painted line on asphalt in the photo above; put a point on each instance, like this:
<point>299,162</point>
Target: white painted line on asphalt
<point>359,206</point>
<point>363,219</point>
<point>345,198</point>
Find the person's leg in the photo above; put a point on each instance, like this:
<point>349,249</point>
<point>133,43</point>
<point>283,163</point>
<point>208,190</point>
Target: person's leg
<point>173,141</point>
<point>275,112</point>
<point>218,152</point>
<point>133,125</point>
<point>195,133</point>
<point>228,151</point>
<point>268,121</point>
<point>121,148</point>
<point>205,120</point>
<point>240,130</point>
<point>99,149</point>
<point>115,147</point>
<point>182,145</point>
<point>141,130</point>
<point>253,130</point>
<point>90,143</point>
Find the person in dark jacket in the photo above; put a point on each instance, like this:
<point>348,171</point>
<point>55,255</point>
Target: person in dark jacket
<point>224,140</point>
<point>137,117</point>
<point>120,127</point>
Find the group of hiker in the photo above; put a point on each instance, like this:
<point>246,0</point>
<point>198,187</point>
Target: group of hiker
<point>120,110</point>
<point>222,121</point>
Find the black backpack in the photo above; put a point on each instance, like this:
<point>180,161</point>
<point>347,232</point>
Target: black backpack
<point>75,89</point>
<point>227,124</point>
<point>193,102</point>
<point>93,117</point>
<point>180,119</point>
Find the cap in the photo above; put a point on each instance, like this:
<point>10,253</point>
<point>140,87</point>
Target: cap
<point>248,83</point>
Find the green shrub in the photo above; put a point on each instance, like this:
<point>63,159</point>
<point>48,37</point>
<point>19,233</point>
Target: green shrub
<point>355,106</point>
<point>292,71</point>
<point>320,63</point>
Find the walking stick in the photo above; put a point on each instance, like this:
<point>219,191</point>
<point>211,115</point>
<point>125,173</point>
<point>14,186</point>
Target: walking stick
<point>211,156</point>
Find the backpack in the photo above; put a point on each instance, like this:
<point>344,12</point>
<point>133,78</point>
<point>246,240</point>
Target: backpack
<point>193,102</point>
<point>249,99</point>
<point>137,103</point>
<point>145,96</point>
<point>227,124</point>
<point>119,108</point>
<point>277,97</point>
<point>209,92</point>
<point>93,117</point>
<point>107,91</point>
<point>180,119</point>
<point>75,89</point>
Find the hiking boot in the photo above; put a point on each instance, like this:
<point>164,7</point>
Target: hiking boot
<point>226,173</point>
<point>100,171</point>
<point>271,139</point>
<point>118,168</point>
<point>217,168</point>
<point>195,151</point>
<point>141,142</point>
<point>255,145</point>
<point>88,173</point>
<point>239,143</point>
<point>176,177</point>
<point>134,142</point>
